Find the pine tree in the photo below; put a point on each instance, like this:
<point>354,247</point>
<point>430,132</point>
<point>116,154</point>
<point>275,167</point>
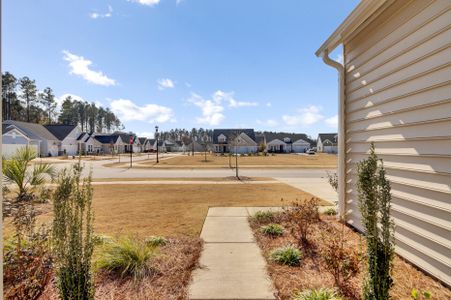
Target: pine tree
<point>28,94</point>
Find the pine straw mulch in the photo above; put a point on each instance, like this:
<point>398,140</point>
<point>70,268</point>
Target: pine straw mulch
<point>312,274</point>
<point>177,259</point>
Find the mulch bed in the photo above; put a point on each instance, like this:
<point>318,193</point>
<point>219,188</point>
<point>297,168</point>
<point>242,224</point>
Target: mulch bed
<point>312,273</point>
<point>174,265</point>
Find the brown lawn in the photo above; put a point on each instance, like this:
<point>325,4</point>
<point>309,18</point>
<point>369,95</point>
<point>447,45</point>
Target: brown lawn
<point>171,209</point>
<point>320,160</point>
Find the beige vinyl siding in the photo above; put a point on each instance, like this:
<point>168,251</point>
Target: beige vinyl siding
<point>398,95</point>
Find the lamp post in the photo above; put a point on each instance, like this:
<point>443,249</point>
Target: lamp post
<point>156,136</point>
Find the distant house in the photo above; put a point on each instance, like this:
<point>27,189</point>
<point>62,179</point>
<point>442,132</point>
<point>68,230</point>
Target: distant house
<point>48,144</point>
<point>68,135</point>
<point>195,146</point>
<point>142,143</point>
<point>14,139</point>
<point>327,142</point>
<point>111,143</point>
<point>286,142</point>
<point>88,144</point>
<point>150,146</point>
<point>234,141</point>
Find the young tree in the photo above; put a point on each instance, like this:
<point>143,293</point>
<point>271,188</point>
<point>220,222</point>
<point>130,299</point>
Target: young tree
<point>47,98</point>
<point>9,83</point>
<point>73,235</point>
<point>28,93</point>
<point>374,204</point>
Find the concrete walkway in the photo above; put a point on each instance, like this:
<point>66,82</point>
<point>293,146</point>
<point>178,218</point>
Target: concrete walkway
<point>232,266</point>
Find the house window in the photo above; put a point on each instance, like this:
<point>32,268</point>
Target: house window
<point>287,140</point>
<point>89,148</point>
<point>222,138</point>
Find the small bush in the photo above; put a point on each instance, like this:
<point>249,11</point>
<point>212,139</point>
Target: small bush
<point>321,294</point>
<point>419,295</point>
<point>155,241</point>
<point>272,230</point>
<point>331,211</point>
<point>288,255</point>
<point>264,216</point>
<point>127,258</point>
<point>301,216</point>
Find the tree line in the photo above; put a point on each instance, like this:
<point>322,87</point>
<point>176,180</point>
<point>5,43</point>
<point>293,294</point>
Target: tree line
<point>23,102</point>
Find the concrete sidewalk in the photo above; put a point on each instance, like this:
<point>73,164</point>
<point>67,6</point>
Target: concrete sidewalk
<point>232,266</point>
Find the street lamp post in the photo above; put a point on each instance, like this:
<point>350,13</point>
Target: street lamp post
<point>156,136</point>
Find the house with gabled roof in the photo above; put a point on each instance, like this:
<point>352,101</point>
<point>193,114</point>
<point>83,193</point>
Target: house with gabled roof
<point>68,136</point>
<point>13,139</point>
<point>49,145</point>
<point>282,142</point>
<point>111,143</point>
<point>327,143</point>
<point>240,141</point>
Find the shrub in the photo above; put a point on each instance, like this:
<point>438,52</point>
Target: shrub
<point>73,235</point>
<point>99,239</point>
<point>417,295</point>
<point>321,294</point>
<point>341,261</point>
<point>155,241</point>
<point>264,216</point>
<point>332,178</point>
<point>301,216</point>
<point>272,230</point>
<point>331,211</point>
<point>374,205</point>
<point>127,258</point>
<point>288,255</point>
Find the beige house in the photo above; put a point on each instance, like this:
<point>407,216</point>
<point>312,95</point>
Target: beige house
<point>395,91</point>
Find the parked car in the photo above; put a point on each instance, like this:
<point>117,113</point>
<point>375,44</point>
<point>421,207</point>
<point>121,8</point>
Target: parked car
<point>310,152</point>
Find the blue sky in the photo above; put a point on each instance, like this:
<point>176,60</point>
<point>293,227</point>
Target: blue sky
<point>183,63</point>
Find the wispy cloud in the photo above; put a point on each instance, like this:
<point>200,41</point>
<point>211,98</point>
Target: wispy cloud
<point>339,58</point>
<point>165,83</point>
<point>146,134</point>
<point>305,116</point>
<point>268,104</point>
<point>228,97</point>
<point>332,122</point>
<point>146,2</point>
<point>80,66</point>
<point>127,110</point>
<point>178,2</point>
<point>212,110</point>
<point>96,15</point>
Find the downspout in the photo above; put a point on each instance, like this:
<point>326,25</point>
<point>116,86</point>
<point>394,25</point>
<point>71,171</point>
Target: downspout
<point>341,133</point>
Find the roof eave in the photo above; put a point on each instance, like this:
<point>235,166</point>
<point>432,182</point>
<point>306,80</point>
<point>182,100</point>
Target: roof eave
<point>364,10</point>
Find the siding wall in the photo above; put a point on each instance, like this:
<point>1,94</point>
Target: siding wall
<point>398,95</point>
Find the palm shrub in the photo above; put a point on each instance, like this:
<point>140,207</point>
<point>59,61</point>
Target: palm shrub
<point>73,235</point>
<point>374,204</point>
<point>288,255</point>
<point>26,178</point>
<point>127,258</point>
<point>321,294</point>
<point>272,230</point>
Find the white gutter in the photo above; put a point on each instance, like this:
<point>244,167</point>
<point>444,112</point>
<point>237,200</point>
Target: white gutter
<point>341,132</point>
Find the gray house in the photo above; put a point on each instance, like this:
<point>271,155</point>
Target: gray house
<point>234,140</point>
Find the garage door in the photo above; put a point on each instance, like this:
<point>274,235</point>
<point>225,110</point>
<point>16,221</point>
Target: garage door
<point>9,150</point>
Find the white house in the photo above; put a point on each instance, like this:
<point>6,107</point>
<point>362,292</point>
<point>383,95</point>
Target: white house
<point>240,141</point>
<point>327,143</point>
<point>68,137</point>
<point>14,139</point>
<point>286,142</point>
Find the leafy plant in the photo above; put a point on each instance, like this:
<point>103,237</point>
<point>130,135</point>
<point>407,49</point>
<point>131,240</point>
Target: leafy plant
<point>17,171</point>
<point>155,241</point>
<point>417,295</point>
<point>321,294</point>
<point>127,258</point>
<point>331,211</point>
<point>272,230</point>
<point>374,204</point>
<point>288,255</point>
<point>341,261</point>
<point>73,235</point>
<point>99,239</point>
<point>264,216</point>
<point>301,216</point>
<point>332,178</point>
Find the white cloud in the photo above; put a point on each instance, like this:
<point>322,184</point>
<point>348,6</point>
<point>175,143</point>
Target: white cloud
<point>339,58</point>
<point>165,83</point>
<point>332,121</point>
<point>96,15</point>
<point>146,2</point>
<point>228,97</point>
<point>177,2</point>
<point>305,116</point>
<point>152,113</point>
<point>212,110</point>
<point>268,104</point>
<point>80,66</point>
<point>146,134</point>
<point>188,85</point>
<point>268,123</point>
